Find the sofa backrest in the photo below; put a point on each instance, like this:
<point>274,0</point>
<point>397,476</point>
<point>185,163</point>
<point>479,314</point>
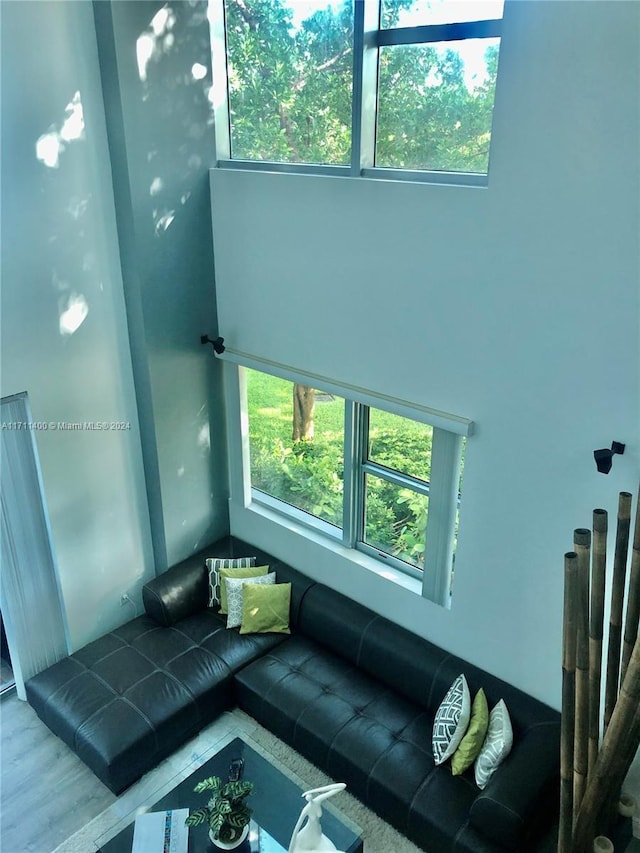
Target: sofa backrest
<point>410,665</point>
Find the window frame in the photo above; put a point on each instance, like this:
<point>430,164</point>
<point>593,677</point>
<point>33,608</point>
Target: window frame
<point>442,488</point>
<point>368,38</point>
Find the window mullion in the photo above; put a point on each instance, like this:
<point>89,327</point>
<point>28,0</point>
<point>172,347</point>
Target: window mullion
<point>365,84</point>
<point>404,481</point>
<point>355,430</point>
<point>434,33</point>
<point>349,484</point>
<point>239,456</point>
<point>446,453</point>
<point>220,80</point>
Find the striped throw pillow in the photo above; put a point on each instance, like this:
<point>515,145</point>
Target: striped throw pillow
<point>214,564</point>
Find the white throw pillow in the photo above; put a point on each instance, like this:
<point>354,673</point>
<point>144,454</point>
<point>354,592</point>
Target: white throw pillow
<point>451,720</point>
<point>216,563</point>
<point>234,596</point>
<point>497,744</point>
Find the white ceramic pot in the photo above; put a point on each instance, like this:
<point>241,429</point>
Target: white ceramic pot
<point>230,845</point>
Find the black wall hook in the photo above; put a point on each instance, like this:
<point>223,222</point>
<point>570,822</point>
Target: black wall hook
<point>604,457</point>
<point>218,344</point>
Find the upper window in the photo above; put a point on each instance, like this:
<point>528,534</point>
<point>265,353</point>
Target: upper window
<point>289,69</point>
<point>374,480</point>
<point>356,85</point>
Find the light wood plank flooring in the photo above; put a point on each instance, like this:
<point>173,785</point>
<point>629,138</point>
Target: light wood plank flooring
<point>6,674</point>
<point>46,792</point>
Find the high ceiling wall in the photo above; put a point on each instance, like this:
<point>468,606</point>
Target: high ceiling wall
<point>106,289</point>
<point>516,306</point>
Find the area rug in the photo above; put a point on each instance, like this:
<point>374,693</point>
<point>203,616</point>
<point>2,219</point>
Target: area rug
<point>378,836</point>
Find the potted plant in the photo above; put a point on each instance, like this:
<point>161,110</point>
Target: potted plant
<point>226,813</point>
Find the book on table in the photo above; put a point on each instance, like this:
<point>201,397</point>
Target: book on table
<point>161,832</point>
<point>165,832</point>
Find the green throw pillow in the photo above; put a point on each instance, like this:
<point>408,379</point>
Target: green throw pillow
<point>251,572</point>
<point>471,743</point>
<point>265,608</point>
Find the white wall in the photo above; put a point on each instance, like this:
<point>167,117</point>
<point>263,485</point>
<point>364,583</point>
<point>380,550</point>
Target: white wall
<point>162,143</point>
<point>59,242</point>
<point>516,306</point>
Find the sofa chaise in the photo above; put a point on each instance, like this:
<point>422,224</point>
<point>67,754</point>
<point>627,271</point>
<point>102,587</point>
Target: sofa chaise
<point>351,691</point>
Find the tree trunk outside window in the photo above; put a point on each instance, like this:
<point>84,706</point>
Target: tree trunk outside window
<point>303,406</point>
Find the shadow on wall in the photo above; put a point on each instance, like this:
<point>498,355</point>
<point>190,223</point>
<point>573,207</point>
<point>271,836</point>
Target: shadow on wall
<point>66,233</point>
<point>174,61</point>
<point>169,130</point>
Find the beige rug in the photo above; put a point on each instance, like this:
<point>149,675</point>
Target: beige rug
<point>378,836</point>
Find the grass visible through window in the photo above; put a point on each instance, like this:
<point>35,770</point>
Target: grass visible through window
<point>309,474</point>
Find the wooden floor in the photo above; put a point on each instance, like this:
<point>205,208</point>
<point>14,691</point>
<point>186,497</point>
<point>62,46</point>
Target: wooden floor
<point>46,792</point>
<point>6,674</point>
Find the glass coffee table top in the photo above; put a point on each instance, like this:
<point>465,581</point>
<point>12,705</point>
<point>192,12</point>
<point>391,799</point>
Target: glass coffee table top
<point>276,803</point>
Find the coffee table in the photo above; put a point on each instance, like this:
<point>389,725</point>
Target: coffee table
<point>276,802</point>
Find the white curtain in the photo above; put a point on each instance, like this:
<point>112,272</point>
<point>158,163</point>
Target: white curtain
<point>29,591</point>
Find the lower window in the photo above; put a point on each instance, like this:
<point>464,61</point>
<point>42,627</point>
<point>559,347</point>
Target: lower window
<point>377,481</point>
<point>395,520</point>
<point>296,436</point>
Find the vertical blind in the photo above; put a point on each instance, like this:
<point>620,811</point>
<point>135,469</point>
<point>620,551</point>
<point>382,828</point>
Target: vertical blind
<point>29,592</point>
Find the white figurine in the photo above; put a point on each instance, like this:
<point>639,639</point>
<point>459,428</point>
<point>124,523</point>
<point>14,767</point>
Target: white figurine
<point>310,838</point>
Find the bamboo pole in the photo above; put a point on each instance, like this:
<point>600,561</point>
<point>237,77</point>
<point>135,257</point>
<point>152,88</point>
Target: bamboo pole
<point>633,600</point>
<point>582,548</point>
<point>611,810</point>
<point>617,601</point>
<point>596,621</point>
<point>619,744</point>
<point>569,636</point>
<point>607,797</point>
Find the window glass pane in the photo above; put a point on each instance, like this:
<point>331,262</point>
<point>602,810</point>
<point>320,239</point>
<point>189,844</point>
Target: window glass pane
<point>418,13</point>
<point>400,443</point>
<point>395,520</point>
<point>290,80</point>
<point>435,105</point>
<point>307,472</point>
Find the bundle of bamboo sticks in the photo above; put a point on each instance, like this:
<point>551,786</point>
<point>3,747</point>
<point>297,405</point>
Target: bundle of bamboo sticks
<point>592,769</point>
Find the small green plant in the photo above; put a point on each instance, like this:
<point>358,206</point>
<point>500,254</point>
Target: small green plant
<point>226,813</point>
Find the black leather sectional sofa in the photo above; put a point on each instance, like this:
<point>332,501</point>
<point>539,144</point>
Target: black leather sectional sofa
<point>348,689</point>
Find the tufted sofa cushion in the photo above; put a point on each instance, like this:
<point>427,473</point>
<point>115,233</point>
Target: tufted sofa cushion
<point>358,730</point>
<point>129,699</point>
<point>350,690</point>
<point>357,694</point>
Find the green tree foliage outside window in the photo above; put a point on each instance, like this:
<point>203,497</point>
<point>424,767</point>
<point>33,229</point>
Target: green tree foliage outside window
<point>309,475</point>
<point>289,87</point>
<point>428,117</point>
<point>291,82</point>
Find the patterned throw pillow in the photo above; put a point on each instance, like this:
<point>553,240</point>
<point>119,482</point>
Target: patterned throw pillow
<point>451,721</point>
<point>214,564</point>
<point>253,572</point>
<point>497,744</point>
<point>234,596</point>
<point>471,743</point>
